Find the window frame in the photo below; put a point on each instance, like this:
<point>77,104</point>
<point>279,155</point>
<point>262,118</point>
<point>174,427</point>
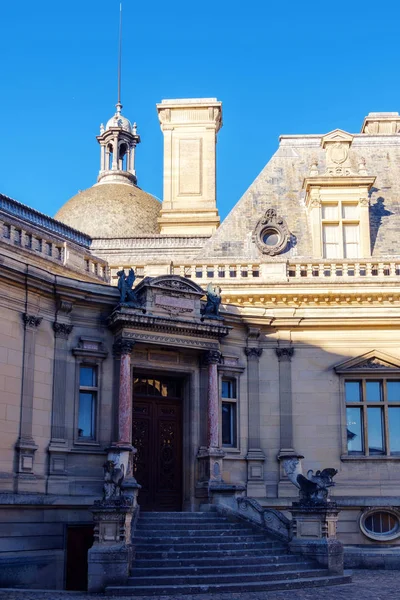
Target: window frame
<point>340,222</point>
<point>94,390</point>
<point>364,376</point>
<point>89,352</point>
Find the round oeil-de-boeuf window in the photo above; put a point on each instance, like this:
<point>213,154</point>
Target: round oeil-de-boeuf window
<point>271,237</point>
<point>380,524</point>
<point>271,234</point>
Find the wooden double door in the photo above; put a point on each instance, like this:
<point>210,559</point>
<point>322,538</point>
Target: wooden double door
<point>157,436</point>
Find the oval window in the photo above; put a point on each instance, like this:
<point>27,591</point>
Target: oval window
<point>271,238</point>
<point>380,524</point>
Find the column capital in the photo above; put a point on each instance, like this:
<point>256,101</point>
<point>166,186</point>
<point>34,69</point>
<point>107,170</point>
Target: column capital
<point>284,354</point>
<point>254,353</point>
<point>62,330</point>
<point>31,320</point>
<point>212,357</point>
<point>123,347</point>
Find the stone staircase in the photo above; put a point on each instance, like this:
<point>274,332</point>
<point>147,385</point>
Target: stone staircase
<point>203,552</point>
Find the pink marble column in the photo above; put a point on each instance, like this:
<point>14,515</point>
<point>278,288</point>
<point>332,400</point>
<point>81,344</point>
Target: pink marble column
<point>124,348</point>
<point>212,358</point>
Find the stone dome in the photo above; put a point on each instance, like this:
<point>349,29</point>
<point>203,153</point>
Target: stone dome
<point>112,210</point>
<point>119,121</point>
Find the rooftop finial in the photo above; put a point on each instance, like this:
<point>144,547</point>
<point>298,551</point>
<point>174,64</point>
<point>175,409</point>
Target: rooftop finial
<point>119,105</point>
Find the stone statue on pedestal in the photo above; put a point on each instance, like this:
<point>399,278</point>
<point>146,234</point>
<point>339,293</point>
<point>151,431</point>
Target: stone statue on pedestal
<point>211,309</point>
<point>127,294</point>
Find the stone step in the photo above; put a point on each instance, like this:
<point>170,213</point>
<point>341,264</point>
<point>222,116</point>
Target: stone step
<point>249,586</point>
<point>195,538</point>
<point>214,526</point>
<point>195,546</point>
<point>239,551</point>
<point>212,569</point>
<point>179,516</point>
<point>209,562</point>
<point>223,578</point>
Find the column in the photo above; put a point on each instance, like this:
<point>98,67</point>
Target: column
<point>57,482</point>
<point>286,417</point>
<point>123,349</point>
<point>26,446</point>
<point>115,154</point>
<point>211,456</point>
<point>255,456</point>
<point>212,359</point>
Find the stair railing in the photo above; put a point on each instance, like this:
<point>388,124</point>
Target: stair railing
<point>270,519</point>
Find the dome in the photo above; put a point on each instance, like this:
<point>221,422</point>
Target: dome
<point>119,121</point>
<point>112,210</point>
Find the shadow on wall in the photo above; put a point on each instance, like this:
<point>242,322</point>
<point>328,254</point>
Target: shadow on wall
<point>376,212</point>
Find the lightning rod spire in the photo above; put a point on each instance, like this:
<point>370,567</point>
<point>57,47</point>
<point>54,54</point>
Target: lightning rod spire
<point>119,105</point>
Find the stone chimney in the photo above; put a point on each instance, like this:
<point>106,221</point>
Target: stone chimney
<point>190,128</point>
<point>378,123</point>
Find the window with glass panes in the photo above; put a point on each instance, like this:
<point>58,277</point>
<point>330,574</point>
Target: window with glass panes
<point>340,229</point>
<point>229,413</point>
<point>373,416</point>
<point>88,391</point>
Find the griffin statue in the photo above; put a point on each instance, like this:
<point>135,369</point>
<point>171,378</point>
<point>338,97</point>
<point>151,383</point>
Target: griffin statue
<point>314,489</point>
<point>127,296</point>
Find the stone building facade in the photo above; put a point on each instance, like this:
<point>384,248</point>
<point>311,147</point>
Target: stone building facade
<point>303,358</point>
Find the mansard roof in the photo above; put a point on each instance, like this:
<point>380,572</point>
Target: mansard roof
<point>279,186</point>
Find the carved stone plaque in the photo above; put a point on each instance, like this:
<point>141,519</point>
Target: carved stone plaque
<point>175,304</point>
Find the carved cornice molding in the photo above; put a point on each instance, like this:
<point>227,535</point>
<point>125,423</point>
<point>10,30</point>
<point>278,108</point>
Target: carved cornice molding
<point>126,318</point>
<point>166,340</point>
<point>123,347</point>
<point>253,353</point>
<point>315,299</point>
<point>284,354</point>
<point>31,320</point>
<point>212,357</point>
<point>62,330</point>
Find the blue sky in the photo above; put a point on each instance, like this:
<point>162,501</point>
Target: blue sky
<point>278,67</point>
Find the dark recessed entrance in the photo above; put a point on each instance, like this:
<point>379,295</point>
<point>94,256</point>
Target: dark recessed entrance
<point>157,436</point>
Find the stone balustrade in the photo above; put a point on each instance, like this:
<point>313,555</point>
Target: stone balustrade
<point>349,269</point>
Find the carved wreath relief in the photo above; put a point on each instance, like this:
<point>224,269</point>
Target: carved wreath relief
<point>271,234</point>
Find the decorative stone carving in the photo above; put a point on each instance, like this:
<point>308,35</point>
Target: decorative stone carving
<point>314,168</point>
<point>128,296</point>
<point>31,320</point>
<point>313,488</point>
<point>285,353</point>
<point>271,234</point>
<point>113,478</point>
<point>270,519</point>
<point>64,306</point>
<point>212,357</point>
<point>211,309</point>
<point>253,352</point>
<point>62,330</point>
<point>381,123</point>
<point>123,346</point>
<point>337,144</point>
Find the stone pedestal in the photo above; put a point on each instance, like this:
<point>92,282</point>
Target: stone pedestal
<point>110,557</point>
<point>314,534</point>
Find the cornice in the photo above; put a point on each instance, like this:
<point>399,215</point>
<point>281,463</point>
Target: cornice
<point>127,318</point>
<point>308,298</point>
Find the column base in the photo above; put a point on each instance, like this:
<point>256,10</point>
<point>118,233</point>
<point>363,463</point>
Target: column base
<point>210,464</point>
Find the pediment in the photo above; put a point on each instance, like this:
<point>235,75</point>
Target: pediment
<point>172,283</point>
<point>370,362</point>
<point>337,135</point>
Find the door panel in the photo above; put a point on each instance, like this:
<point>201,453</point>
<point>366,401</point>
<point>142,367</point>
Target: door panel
<point>157,436</point>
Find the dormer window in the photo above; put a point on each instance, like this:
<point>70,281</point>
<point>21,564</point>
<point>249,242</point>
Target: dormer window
<point>338,201</point>
<point>340,230</point>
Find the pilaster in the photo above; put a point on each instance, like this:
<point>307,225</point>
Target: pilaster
<point>57,482</point>
<point>25,446</point>
<point>285,355</point>
<point>255,456</point>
